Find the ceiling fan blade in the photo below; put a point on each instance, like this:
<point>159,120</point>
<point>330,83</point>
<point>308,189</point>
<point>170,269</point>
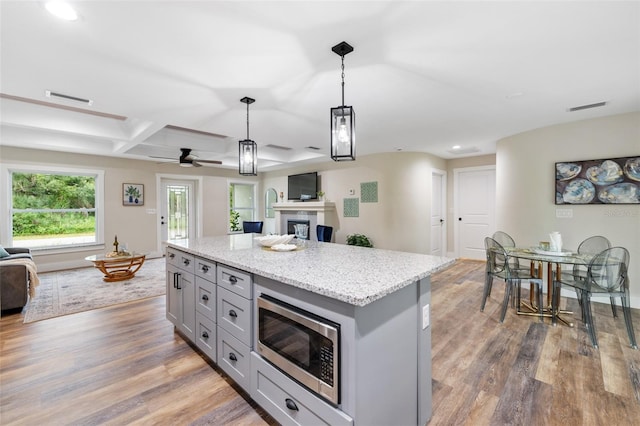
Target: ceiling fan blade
<point>210,161</point>
<point>162,158</point>
<point>196,164</point>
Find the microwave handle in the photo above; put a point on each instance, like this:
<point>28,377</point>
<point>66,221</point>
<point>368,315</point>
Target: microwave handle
<point>291,405</point>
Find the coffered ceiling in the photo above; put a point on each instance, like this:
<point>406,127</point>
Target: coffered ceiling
<point>425,75</point>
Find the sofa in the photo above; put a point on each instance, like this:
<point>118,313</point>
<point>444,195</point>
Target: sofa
<point>14,278</point>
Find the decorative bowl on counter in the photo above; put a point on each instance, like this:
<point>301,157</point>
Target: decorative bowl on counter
<point>273,240</point>
<point>284,247</point>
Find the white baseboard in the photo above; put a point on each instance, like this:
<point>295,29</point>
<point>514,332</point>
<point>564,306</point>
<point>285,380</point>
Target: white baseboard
<point>77,263</point>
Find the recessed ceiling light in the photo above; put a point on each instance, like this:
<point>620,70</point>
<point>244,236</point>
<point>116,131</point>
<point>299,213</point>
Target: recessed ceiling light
<point>456,147</point>
<point>61,10</point>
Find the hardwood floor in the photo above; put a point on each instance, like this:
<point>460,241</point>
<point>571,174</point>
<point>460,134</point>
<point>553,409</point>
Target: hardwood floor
<point>124,365</point>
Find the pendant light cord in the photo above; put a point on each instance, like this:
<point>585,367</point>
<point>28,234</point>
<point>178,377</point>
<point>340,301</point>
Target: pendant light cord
<point>343,83</point>
<point>248,120</point>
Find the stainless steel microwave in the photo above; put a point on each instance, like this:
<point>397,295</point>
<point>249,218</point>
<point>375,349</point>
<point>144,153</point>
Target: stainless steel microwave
<point>303,345</point>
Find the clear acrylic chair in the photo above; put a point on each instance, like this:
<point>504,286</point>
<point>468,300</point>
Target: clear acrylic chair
<point>606,276</point>
<point>589,247</point>
<point>505,240</point>
<point>498,266</point>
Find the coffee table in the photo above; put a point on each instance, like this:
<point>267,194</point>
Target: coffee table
<point>117,268</point>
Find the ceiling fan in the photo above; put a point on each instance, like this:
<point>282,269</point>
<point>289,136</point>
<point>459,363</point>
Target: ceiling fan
<point>189,160</point>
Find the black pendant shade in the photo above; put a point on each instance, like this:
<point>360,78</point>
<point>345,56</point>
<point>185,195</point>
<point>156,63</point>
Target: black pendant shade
<point>247,149</point>
<point>343,119</point>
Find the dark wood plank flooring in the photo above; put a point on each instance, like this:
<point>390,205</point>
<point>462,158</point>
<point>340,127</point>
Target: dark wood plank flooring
<point>125,365</point>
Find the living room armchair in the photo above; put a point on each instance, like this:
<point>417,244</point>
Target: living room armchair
<point>17,278</point>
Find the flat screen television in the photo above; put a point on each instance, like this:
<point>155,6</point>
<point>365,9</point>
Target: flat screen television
<point>303,187</point>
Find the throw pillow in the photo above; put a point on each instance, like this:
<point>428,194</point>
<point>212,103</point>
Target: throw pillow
<point>3,253</point>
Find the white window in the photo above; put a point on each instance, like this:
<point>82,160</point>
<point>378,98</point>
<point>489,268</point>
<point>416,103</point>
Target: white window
<point>242,204</point>
<point>53,208</point>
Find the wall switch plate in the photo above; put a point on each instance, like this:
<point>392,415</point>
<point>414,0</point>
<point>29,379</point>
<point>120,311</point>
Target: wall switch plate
<point>351,192</point>
<point>425,316</point>
<point>564,213</point>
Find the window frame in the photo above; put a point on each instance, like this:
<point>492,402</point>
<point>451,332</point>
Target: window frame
<point>254,208</point>
<point>6,188</point>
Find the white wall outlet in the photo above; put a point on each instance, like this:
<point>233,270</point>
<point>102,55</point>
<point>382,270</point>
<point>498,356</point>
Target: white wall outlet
<point>564,213</point>
<point>425,316</point>
<point>151,211</point>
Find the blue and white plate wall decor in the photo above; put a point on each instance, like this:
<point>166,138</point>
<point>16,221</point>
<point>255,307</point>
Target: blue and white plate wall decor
<point>606,181</point>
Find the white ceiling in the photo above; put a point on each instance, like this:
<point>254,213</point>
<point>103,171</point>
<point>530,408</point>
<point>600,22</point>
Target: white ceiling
<point>424,75</point>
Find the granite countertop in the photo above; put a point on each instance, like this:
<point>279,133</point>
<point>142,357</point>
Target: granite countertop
<point>355,275</point>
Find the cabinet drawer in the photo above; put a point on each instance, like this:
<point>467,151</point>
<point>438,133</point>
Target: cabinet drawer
<point>275,393</point>
<point>234,315</point>
<point>235,280</point>
<point>206,298</point>
<point>206,269</point>
<point>233,358</point>
<point>206,336</point>
<point>180,260</point>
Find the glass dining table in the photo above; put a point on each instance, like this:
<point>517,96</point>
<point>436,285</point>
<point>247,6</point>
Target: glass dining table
<point>554,262</point>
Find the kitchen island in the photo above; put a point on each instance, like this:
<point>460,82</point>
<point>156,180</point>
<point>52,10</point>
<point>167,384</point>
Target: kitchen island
<point>380,299</point>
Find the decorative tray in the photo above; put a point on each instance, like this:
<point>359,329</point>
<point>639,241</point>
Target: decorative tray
<point>537,250</point>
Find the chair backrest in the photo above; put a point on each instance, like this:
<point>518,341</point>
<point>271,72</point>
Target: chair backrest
<point>594,245</point>
<point>608,270</point>
<point>323,233</point>
<point>503,239</point>
<point>249,227</point>
<point>496,257</point>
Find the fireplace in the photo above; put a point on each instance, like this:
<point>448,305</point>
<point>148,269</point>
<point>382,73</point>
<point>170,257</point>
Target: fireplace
<point>291,226</point>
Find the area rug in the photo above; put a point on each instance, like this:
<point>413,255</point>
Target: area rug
<point>77,290</point>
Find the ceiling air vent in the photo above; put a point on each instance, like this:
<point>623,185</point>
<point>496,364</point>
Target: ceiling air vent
<point>581,107</point>
<point>284,148</point>
<point>50,94</point>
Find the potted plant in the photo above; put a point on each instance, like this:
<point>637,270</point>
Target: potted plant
<point>320,195</point>
<point>133,193</point>
<point>359,240</point>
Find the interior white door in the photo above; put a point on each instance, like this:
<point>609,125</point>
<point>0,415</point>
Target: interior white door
<point>475,190</point>
<point>177,212</point>
<point>438,213</point>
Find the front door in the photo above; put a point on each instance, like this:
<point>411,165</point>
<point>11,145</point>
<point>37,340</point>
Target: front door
<point>177,216</point>
<point>475,200</point>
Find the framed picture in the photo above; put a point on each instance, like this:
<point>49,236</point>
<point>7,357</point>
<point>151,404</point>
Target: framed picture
<point>607,181</point>
<point>132,194</point>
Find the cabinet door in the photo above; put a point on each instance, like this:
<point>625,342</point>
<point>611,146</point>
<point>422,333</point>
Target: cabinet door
<point>173,295</point>
<point>187,290</point>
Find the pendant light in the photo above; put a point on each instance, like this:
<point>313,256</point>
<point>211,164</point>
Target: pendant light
<point>248,150</point>
<point>343,119</point>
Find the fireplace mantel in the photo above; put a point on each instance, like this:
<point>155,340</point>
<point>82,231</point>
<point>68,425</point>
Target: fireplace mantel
<point>305,206</point>
<point>316,212</point>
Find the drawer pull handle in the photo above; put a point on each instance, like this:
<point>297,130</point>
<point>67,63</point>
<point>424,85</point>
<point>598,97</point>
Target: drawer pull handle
<point>233,314</point>
<point>176,280</point>
<point>172,255</point>
<point>205,297</point>
<point>290,404</point>
<point>232,357</point>
<point>233,280</point>
<point>205,268</point>
<point>186,262</point>
<point>205,335</point>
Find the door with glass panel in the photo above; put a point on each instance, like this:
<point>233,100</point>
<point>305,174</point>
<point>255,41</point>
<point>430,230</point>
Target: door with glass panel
<point>177,216</point>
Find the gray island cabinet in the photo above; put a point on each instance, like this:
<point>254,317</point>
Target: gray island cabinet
<point>379,298</point>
